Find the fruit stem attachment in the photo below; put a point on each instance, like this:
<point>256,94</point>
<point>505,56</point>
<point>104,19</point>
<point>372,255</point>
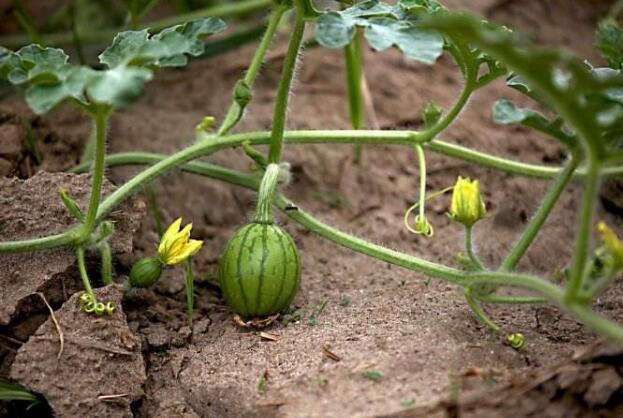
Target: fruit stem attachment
<point>285,85</point>
<point>264,213</point>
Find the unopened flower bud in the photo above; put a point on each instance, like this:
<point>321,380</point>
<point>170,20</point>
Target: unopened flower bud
<point>467,205</point>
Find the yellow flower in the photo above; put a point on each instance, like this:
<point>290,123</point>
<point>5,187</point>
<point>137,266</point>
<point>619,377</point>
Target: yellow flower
<point>467,205</point>
<point>612,243</point>
<point>176,246</point>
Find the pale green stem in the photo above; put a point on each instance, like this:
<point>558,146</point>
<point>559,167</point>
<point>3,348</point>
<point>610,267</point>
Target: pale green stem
<point>469,248</point>
<point>512,300</point>
<point>537,222</point>
<point>101,121</point>
<point>190,290</point>
<point>83,272</point>
<point>285,85</point>
<point>422,163</point>
<point>555,295</point>
<point>478,311</point>
<point>354,76</point>
<point>233,115</point>
<point>210,145</point>
<point>264,213</point>
<point>106,255</point>
<point>585,226</point>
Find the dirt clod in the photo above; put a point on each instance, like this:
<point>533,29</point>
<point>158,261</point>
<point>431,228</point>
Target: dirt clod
<point>101,370</point>
<point>32,208</point>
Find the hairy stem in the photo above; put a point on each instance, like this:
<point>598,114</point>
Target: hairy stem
<point>478,311</point>
<point>285,85</point>
<point>190,290</point>
<point>537,222</point>
<point>422,163</point>
<point>469,248</point>
<point>585,225</point>
<point>512,300</point>
<point>264,213</point>
<point>101,121</point>
<point>234,113</point>
<point>209,145</point>
<point>106,267</point>
<point>353,58</point>
<point>83,272</point>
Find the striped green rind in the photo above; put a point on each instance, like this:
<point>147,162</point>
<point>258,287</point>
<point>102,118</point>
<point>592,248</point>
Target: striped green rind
<point>260,270</point>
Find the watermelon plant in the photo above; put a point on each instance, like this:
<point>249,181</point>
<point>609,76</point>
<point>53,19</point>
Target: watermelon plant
<point>581,107</point>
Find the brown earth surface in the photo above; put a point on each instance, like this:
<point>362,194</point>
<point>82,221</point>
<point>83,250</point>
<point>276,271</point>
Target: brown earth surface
<point>419,333</point>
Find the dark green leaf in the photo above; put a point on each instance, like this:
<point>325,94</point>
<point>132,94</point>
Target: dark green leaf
<point>564,83</point>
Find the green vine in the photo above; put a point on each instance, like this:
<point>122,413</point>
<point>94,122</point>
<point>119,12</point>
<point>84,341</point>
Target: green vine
<point>585,101</point>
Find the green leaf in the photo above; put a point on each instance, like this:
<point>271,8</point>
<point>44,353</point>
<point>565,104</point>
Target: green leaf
<point>42,97</point>
<point>49,79</point>
<point>420,45</point>
<point>384,26</point>
<point>125,45</point>
<point>565,84</point>
<point>610,43</point>
<point>165,49</point>
<point>34,63</point>
<point>119,86</point>
<point>506,112</point>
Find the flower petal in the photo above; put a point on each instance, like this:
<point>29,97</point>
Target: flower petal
<point>188,250</point>
<point>167,238</point>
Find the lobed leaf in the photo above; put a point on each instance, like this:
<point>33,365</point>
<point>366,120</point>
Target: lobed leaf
<point>564,83</point>
<point>384,26</point>
<point>165,49</point>
<point>506,112</point>
<point>50,79</point>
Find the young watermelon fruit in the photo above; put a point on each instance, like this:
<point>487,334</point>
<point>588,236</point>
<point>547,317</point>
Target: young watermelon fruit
<point>260,269</point>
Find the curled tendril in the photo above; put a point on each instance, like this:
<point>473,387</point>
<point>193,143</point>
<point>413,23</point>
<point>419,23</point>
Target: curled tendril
<point>110,308</point>
<point>89,307</point>
<point>421,225</point>
<point>100,308</point>
<point>85,299</point>
<point>516,340</point>
<point>89,304</point>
